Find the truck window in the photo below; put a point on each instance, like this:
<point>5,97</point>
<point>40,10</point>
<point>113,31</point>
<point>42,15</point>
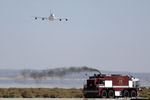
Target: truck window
<point>101,82</point>
<point>136,83</point>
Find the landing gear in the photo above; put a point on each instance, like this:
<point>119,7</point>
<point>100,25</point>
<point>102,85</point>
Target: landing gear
<point>59,19</point>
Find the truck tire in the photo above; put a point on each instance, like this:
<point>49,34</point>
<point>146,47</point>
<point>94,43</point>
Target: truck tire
<point>111,94</point>
<point>133,93</point>
<point>104,94</point>
<point>86,96</point>
<point>126,93</point>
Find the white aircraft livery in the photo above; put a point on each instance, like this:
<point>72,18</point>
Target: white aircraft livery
<point>51,18</point>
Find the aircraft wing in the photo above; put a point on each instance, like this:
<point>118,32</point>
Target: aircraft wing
<point>43,18</point>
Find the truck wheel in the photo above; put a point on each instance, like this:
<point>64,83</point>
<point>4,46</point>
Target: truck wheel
<point>85,96</point>
<point>111,94</point>
<point>126,93</point>
<point>133,93</point>
<point>104,94</point>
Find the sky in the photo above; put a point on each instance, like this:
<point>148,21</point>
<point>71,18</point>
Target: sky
<point>104,34</point>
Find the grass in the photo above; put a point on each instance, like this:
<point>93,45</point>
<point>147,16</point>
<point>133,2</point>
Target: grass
<point>145,92</point>
<point>40,93</point>
<point>51,93</point>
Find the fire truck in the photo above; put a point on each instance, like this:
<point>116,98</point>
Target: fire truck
<point>111,86</point>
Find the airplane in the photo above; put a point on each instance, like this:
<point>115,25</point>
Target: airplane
<point>51,18</point>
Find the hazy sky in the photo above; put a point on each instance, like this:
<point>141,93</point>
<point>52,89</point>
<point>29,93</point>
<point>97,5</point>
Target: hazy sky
<point>104,34</point>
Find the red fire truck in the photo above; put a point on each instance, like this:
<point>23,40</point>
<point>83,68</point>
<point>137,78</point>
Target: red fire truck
<point>110,86</point>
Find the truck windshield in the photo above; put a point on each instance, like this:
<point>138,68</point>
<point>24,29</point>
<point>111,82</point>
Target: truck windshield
<point>137,83</point>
